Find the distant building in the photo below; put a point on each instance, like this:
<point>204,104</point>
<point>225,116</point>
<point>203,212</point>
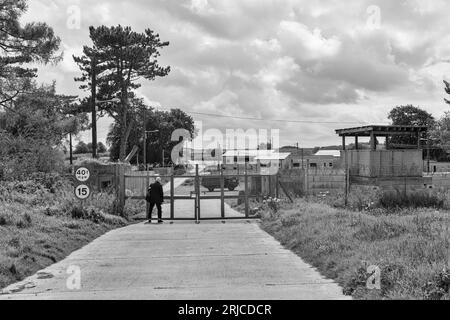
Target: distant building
<point>244,156</point>
<point>322,159</point>
<point>437,167</point>
<point>274,159</point>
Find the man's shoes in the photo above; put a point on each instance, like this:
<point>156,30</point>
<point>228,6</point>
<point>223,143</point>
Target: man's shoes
<point>160,221</point>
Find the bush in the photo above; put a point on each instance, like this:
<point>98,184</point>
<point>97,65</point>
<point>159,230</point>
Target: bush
<point>372,199</point>
<point>416,200</point>
<point>20,157</point>
<point>438,287</point>
<point>95,215</point>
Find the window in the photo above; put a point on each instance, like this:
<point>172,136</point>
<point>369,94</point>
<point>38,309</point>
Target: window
<point>235,160</point>
<point>247,159</point>
<point>313,165</point>
<point>331,164</point>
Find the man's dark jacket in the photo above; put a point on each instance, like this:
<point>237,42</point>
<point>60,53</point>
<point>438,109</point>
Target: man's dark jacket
<point>155,193</point>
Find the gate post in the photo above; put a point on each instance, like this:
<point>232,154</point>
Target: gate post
<point>246,192</point>
<point>172,194</point>
<point>121,188</point>
<point>147,205</point>
<point>197,195</point>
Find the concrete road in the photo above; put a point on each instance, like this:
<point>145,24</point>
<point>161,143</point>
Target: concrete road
<point>183,260</point>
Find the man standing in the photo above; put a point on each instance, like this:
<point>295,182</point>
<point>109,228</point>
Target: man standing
<point>155,196</point>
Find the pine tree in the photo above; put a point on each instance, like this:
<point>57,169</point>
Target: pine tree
<point>120,58</point>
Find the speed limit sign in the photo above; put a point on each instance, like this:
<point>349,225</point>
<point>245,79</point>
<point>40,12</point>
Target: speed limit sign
<point>82,192</point>
<point>82,174</point>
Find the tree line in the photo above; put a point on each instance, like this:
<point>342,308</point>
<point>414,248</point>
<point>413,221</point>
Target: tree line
<point>36,121</point>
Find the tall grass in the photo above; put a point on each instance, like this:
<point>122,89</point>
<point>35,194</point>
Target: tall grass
<point>411,249</point>
<point>41,222</point>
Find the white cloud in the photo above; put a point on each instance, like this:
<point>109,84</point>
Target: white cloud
<point>286,59</point>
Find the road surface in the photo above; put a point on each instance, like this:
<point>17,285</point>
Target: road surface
<point>183,260</point>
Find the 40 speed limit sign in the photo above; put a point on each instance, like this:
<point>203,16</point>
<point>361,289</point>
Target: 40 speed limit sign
<point>82,174</point>
<point>82,191</point>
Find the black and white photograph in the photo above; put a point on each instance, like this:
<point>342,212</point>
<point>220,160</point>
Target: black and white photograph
<point>223,156</point>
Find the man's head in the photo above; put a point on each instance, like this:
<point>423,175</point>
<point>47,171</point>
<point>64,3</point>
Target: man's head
<point>158,179</point>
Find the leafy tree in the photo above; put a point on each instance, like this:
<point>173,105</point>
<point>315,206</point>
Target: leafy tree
<point>81,147</point>
<point>101,148</point>
<point>19,45</point>
<point>38,123</point>
<point>447,90</point>
<point>121,58</point>
<point>409,115</point>
<point>43,115</point>
<point>166,122</point>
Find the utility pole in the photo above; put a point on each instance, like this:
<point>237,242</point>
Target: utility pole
<point>70,149</point>
<point>94,109</point>
<point>144,147</point>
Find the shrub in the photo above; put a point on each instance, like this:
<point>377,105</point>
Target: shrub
<point>412,200</point>
<point>438,287</point>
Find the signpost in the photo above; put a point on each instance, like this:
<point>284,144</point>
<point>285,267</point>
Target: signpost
<point>82,189</point>
<point>82,174</point>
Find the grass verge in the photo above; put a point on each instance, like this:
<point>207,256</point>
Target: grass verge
<point>42,223</point>
<point>410,248</point>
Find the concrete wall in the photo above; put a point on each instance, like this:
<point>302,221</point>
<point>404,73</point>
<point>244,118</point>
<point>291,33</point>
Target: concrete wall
<point>384,163</point>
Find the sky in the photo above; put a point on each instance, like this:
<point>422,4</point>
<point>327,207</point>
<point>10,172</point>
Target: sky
<point>321,64</point>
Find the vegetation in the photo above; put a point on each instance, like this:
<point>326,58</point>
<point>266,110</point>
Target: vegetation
<point>164,122</point>
<point>410,248</point>
<point>410,116</point>
<point>41,222</point>
<point>120,57</point>
<point>82,147</point>
<point>20,44</point>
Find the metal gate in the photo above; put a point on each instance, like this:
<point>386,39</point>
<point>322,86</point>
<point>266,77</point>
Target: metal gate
<point>204,196</point>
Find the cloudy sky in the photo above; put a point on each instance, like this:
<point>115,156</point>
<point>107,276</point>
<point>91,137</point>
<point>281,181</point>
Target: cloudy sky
<point>323,64</point>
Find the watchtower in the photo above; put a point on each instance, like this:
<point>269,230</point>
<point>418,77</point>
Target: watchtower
<point>384,165</point>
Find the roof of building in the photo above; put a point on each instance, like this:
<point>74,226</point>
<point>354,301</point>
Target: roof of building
<point>380,130</point>
<point>273,156</point>
<point>331,153</point>
<point>249,153</point>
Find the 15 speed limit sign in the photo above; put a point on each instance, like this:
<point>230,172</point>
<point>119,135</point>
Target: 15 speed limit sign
<point>82,192</point>
<point>82,174</point>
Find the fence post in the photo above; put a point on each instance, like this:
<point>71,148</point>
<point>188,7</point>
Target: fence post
<point>269,177</point>
<point>346,177</point>
<point>277,181</point>
<point>307,178</point>
<point>222,194</point>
